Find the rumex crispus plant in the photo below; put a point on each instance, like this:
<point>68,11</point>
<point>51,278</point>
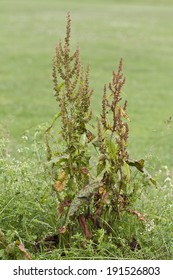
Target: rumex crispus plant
<point>90,200</point>
<point>72,92</point>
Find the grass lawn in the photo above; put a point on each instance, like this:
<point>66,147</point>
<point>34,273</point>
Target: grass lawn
<point>138,31</point>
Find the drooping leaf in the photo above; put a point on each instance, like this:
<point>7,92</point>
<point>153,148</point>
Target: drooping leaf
<point>139,164</point>
<point>81,197</point>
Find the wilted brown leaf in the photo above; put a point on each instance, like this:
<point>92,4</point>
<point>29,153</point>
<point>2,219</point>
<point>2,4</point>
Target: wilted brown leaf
<point>61,182</point>
<point>62,229</point>
<point>59,186</point>
<point>138,215</point>
<point>22,249</point>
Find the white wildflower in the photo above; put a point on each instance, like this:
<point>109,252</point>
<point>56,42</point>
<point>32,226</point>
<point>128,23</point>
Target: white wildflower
<point>150,225</point>
<point>25,137</point>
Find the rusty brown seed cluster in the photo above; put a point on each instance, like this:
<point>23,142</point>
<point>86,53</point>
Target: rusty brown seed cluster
<point>113,114</point>
<point>71,86</point>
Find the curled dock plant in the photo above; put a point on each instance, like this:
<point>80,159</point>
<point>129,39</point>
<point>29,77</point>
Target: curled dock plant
<point>90,198</point>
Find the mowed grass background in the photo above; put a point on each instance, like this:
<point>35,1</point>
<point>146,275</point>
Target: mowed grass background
<point>141,32</point>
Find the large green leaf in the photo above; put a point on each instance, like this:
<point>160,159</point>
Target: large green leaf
<point>112,148</point>
<point>80,198</point>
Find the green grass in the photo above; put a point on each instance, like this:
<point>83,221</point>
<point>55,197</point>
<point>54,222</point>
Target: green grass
<point>138,31</point>
<point>28,212</point>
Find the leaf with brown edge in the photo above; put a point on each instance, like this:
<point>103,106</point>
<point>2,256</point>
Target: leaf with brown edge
<point>23,250</point>
<point>84,226</point>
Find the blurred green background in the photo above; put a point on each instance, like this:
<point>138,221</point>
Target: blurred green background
<point>141,32</point>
